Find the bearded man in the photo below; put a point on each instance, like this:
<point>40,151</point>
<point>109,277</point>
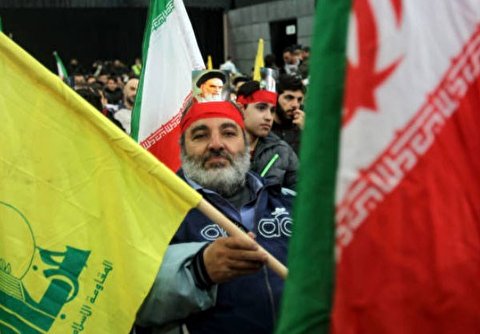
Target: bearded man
<point>210,282</point>
<point>289,118</point>
<point>124,113</point>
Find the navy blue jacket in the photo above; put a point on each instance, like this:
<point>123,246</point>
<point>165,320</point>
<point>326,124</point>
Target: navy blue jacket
<point>248,304</point>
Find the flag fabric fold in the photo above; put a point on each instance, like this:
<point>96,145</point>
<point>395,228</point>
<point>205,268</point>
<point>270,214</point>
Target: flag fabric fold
<point>406,197</point>
<point>170,54</point>
<point>85,213</point>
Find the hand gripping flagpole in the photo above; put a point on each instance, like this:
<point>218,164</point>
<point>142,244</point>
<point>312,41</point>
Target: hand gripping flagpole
<point>218,218</point>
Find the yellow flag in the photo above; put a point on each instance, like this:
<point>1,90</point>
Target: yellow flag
<point>209,63</point>
<point>85,213</point>
<point>258,61</point>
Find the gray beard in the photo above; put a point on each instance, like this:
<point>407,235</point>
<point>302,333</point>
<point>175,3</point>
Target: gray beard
<point>226,181</point>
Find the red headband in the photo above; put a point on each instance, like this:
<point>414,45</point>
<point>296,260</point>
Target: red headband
<point>217,109</point>
<point>259,96</point>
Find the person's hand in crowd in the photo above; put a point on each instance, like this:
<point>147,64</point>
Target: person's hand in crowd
<point>299,118</point>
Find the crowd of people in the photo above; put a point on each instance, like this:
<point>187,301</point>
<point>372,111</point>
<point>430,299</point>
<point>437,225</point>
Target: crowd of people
<point>110,86</point>
<point>241,154</point>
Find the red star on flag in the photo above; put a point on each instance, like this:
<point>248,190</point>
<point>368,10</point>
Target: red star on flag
<point>362,78</point>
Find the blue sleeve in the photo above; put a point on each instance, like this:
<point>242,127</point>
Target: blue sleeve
<point>174,295</point>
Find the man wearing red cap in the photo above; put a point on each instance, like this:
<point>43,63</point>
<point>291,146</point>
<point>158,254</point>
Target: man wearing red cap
<point>210,282</point>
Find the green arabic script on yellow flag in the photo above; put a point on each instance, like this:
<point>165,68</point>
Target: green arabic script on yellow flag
<point>85,213</point>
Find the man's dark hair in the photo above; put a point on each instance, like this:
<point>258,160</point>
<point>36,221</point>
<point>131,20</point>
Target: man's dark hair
<point>290,82</point>
<point>288,49</point>
<point>239,79</point>
<point>306,48</point>
<point>248,88</point>
<point>270,60</point>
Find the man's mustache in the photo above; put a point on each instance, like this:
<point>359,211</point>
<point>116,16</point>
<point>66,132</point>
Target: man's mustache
<point>215,154</point>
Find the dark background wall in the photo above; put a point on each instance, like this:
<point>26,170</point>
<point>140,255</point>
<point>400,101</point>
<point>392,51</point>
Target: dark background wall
<point>89,34</point>
<point>268,20</point>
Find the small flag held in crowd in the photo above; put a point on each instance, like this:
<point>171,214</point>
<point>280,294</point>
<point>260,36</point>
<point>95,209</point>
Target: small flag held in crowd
<point>259,62</point>
<point>165,90</point>
<point>61,70</point>
<point>391,183</point>
<point>79,200</point>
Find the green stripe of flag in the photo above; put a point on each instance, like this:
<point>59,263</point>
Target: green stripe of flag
<point>1,25</point>
<point>62,71</point>
<point>307,301</point>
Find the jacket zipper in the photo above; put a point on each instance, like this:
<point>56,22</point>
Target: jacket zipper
<point>270,295</point>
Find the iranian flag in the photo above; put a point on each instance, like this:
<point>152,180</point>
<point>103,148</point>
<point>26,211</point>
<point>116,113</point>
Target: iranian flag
<point>61,70</point>
<point>170,53</point>
<point>387,221</point>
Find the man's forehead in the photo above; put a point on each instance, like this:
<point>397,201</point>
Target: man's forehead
<point>214,81</point>
<point>296,93</point>
<point>212,123</point>
<point>132,83</point>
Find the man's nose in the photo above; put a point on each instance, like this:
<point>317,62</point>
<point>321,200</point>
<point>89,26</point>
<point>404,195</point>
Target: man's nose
<point>268,115</point>
<point>216,142</point>
<point>295,104</point>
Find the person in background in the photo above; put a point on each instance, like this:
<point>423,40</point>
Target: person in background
<point>238,81</point>
<point>137,67</point>
<point>270,156</point>
<point>291,61</point>
<point>303,67</point>
<point>95,97</point>
<point>124,113</point>
<point>271,62</point>
<point>289,118</point>
<point>91,79</point>
<point>113,93</point>
<point>79,81</point>
<point>228,66</point>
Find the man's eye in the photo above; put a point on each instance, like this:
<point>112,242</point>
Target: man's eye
<point>199,136</point>
<point>229,134</point>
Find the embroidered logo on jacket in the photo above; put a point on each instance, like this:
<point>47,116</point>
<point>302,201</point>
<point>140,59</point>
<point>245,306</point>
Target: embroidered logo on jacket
<point>212,232</point>
<point>279,225</point>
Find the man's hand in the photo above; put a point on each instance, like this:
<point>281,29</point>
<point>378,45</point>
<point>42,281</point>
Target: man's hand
<point>230,257</point>
<point>299,118</point>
